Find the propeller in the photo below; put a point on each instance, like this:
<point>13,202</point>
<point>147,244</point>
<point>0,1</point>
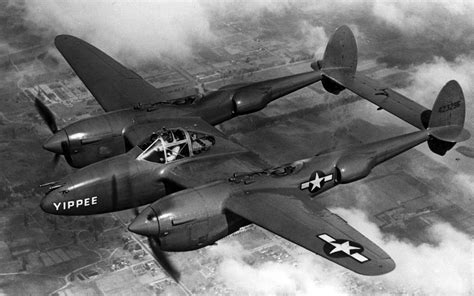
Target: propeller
<point>56,159</point>
<point>156,251</point>
<point>47,115</point>
<point>159,255</point>
<point>163,259</point>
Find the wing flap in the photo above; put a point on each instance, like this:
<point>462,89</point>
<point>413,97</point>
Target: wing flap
<point>308,224</point>
<point>113,85</point>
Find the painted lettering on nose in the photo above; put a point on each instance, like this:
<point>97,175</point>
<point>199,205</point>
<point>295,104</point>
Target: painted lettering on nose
<point>77,203</point>
<point>57,205</point>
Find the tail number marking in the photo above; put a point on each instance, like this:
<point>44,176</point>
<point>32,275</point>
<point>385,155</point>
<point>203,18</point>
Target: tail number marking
<point>449,107</point>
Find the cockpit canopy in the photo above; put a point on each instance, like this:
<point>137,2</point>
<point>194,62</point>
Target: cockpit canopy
<point>172,144</point>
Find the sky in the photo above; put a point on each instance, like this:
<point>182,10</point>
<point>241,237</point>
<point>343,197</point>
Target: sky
<point>176,27</point>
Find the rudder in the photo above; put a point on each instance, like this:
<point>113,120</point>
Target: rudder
<point>447,119</point>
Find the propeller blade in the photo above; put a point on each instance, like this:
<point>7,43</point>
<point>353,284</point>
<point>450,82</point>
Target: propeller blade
<point>163,260</point>
<point>56,159</point>
<point>47,115</point>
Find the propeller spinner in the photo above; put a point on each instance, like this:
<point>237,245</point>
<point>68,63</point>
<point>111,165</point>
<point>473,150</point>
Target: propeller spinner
<point>147,228</point>
<point>56,142</point>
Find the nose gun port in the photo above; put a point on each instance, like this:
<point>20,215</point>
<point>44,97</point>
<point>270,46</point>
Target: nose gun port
<point>51,202</point>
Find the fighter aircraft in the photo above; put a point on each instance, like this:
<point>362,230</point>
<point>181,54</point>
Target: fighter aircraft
<point>192,156</point>
<point>131,104</point>
<point>283,199</point>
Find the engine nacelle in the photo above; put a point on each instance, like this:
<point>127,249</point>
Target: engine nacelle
<point>251,99</point>
<point>96,138</point>
<point>193,218</point>
<point>352,167</point>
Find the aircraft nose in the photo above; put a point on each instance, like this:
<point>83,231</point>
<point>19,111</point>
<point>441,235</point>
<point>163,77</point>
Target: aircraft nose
<point>54,143</point>
<point>50,203</point>
<point>146,223</point>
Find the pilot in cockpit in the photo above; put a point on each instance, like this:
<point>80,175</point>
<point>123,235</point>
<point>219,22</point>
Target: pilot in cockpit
<point>167,135</point>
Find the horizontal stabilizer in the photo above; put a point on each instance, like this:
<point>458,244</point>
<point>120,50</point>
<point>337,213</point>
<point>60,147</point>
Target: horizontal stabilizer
<point>450,133</point>
<point>387,99</point>
<point>339,71</point>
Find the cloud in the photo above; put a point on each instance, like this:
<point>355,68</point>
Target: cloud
<point>309,276</point>
<point>428,78</point>
<point>441,268</point>
<point>315,38</point>
<point>144,29</point>
<point>250,8</point>
<point>448,19</point>
<point>465,181</point>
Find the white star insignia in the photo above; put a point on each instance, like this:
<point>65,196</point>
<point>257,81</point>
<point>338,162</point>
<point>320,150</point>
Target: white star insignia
<point>315,182</point>
<point>344,247</point>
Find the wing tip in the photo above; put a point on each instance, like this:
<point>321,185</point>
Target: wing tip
<point>64,40</point>
<point>379,267</point>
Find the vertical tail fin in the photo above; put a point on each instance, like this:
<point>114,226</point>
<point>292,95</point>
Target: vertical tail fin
<point>446,123</point>
<point>340,59</point>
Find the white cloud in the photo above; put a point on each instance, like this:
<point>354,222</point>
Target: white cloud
<point>427,79</point>
<point>445,18</point>
<point>444,268</point>
<point>315,38</point>
<point>309,276</point>
<point>143,29</point>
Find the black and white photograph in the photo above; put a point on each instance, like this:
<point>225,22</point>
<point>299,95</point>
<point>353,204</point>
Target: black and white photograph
<point>232,147</point>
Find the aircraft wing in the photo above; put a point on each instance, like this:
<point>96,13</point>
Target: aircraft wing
<point>307,223</point>
<point>113,85</point>
<point>382,96</point>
